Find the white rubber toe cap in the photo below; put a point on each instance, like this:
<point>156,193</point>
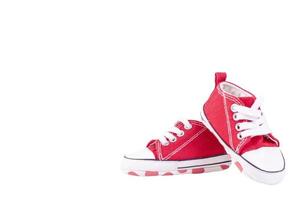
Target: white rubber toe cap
<point>143,154</point>
<point>266,158</point>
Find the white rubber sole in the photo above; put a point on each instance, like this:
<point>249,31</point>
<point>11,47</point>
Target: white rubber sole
<point>138,167</point>
<point>245,166</point>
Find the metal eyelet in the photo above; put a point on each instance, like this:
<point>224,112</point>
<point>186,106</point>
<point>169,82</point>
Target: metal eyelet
<point>239,136</point>
<point>181,134</point>
<point>235,117</point>
<point>237,127</point>
<point>173,140</point>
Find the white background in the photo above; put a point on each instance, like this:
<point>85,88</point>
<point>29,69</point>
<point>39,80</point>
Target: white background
<point>83,82</point>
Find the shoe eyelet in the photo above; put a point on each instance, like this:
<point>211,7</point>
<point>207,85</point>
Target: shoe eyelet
<point>173,140</point>
<point>239,136</point>
<point>188,127</point>
<point>235,117</point>
<point>233,107</point>
<point>237,127</point>
<point>181,134</point>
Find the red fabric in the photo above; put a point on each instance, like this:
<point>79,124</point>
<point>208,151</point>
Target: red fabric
<point>218,106</point>
<point>248,101</point>
<point>257,142</point>
<point>220,77</point>
<point>198,142</point>
<point>152,145</point>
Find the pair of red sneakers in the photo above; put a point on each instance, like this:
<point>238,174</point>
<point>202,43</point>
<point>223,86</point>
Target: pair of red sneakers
<point>233,128</point>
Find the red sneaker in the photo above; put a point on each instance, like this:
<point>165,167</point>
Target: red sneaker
<point>235,117</point>
<point>189,148</point>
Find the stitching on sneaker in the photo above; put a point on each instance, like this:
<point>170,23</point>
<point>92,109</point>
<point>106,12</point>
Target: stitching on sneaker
<point>184,144</point>
<point>240,145</point>
<point>237,101</point>
<point>158,146</point>
<point>227,122</point>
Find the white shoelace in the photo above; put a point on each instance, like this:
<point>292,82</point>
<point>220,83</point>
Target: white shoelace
<point>256,123</point>
<point>170,137</point>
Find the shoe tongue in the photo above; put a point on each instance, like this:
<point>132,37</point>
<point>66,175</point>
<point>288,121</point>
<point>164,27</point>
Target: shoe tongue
<point>178,124</point>
<point>248,101</point>
<point>256,141</point>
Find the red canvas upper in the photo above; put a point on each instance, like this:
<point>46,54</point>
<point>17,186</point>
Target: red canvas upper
<point>198,142</point>
<point>218,112</point>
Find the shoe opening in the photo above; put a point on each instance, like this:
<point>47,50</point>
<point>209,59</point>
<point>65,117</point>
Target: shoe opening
<point>234,90</point>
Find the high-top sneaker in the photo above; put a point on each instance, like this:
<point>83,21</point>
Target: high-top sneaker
<point>188,148</point>
<point>235,117</point>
